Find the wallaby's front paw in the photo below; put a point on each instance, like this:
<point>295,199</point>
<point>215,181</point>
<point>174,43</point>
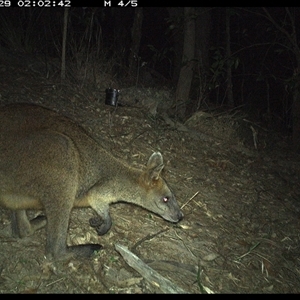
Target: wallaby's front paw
<point>101,226</point>
<point>96,221</point>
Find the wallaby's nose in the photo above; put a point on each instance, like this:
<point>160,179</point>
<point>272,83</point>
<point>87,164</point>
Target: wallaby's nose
<point>180,215</point>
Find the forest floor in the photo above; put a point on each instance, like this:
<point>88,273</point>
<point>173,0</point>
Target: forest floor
<point>240,233</point>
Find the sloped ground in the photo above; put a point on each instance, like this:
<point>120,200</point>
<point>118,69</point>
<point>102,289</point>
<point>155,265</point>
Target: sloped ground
<point>240,233</point>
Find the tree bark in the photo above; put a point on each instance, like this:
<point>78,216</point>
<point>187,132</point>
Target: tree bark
<point>186,72</point>
<point>136,32</point>
<point>296,115</point>
<point>229,92</point>
<point>176,14</point>
<point>64,42</point>
<point>202,45</point>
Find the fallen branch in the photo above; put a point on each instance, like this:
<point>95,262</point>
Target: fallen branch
<point>165,285</point>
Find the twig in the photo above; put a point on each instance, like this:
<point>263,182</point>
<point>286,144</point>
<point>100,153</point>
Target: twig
<point>254,132</point>
<point>58,280</point>
<point>148,237</point>
<point>183,205</point>
<point>185,244</point>
<point>249,251</point>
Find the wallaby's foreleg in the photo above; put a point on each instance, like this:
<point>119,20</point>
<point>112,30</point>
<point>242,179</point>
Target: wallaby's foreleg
<point>96,198</point>
<point>102,223</point>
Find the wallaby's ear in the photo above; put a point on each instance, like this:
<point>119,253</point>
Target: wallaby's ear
<point>155,165</point>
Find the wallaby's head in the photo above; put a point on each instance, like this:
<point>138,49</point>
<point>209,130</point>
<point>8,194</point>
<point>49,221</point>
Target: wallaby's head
<point>158,197</point>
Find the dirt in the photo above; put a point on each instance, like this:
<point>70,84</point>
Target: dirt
<point>237,184</point>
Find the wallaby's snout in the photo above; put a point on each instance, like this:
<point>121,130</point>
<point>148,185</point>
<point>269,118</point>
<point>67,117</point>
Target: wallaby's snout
<point>180,216</point>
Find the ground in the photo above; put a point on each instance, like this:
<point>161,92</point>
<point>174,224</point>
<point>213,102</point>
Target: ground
<point>239,193</point>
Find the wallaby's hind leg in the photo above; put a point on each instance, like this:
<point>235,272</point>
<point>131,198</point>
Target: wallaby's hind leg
<point>58,214</point>
<point>22,227</point>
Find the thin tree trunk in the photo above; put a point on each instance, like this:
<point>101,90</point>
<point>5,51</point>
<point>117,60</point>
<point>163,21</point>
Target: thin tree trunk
<point>186,72</point>
<point>296,115</point>
<point>177,36</point>
<point>229,93</point>
<point>136,32</point>
<point>64,42</point>
<point>202,45</point>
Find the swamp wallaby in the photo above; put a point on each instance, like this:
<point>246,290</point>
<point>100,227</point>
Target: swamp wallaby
<point>49,162</point>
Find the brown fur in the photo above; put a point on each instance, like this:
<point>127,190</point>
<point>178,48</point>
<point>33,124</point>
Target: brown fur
<point>49,162</point>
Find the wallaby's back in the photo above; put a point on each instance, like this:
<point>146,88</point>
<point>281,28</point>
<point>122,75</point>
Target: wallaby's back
<point>22,120</point>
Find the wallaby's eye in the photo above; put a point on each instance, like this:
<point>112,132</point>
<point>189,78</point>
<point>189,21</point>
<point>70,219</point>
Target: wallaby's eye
<point>165,199</point>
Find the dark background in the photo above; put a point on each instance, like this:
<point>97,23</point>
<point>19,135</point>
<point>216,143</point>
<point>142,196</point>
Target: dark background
<point>263,62</point>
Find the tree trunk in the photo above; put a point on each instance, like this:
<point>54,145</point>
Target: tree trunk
<point>229,92</point>
<point>176,14</point>
<point>135,42</point>
<point>64,42</point>
<point>186,72</point>
<point>202,45</point>
<point>296,116</point>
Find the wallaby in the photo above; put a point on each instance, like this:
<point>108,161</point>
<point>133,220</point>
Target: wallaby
<point>49,162</point>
